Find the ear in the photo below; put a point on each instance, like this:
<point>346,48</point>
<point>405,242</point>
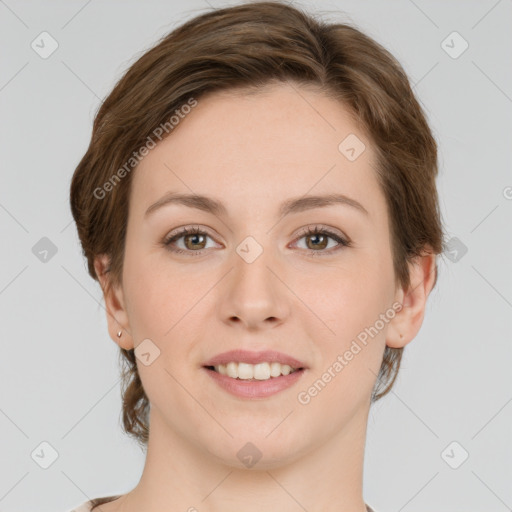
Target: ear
<point>403,328</point>
<point>115,305</point>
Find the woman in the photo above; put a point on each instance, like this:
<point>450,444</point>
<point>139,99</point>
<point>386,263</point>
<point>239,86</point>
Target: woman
<point>258,203</point>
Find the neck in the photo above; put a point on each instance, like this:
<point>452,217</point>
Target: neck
<point>179,475</point>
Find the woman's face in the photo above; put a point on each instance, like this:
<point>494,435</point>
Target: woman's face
<point>252,279</point>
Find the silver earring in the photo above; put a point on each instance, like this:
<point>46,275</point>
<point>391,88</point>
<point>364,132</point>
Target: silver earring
<point>119,334</point>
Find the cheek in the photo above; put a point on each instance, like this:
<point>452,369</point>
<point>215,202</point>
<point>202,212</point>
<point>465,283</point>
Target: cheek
<point>160,295</point>
<point>351,336</point>
<point>350,357</point>
<point>347,299</point>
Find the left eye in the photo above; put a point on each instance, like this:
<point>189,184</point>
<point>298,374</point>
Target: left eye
<point>319,239</point>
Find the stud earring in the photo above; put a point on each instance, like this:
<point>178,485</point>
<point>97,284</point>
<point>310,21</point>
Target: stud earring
<point>119,334</point>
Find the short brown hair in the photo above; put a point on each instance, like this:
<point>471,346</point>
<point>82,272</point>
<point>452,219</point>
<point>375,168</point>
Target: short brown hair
<point>248,46</point>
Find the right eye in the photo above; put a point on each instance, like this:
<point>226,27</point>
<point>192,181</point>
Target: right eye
<point>193,238</point>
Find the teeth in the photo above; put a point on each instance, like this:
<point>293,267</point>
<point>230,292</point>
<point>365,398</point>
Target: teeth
<point>260,371</point>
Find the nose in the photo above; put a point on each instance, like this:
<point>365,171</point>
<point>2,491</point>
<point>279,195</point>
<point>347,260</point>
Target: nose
<point>253,294</point>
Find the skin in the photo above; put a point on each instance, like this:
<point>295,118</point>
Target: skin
<point>251,152</point>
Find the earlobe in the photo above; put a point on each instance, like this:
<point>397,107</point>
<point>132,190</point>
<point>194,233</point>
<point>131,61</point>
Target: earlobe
<point>408,320</point>
<point>117,317</point>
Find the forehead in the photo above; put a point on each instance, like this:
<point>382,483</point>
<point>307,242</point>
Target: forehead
<point>261,148</point>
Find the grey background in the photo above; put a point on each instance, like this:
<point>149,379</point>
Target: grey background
<point>59,370</point>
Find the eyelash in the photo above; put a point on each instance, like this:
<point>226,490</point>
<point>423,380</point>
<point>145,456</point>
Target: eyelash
<point>306,232</point>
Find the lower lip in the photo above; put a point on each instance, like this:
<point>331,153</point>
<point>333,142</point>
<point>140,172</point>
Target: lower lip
<point>255,388</point>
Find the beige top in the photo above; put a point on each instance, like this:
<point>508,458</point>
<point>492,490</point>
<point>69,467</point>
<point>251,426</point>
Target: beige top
<point>86,507</point>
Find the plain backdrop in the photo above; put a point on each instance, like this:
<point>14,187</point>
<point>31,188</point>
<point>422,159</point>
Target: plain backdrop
<point>441,440</point>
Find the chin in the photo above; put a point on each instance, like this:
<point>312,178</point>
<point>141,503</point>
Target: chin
<point>254,451</point>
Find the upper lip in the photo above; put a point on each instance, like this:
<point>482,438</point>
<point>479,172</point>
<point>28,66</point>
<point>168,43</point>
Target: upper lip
<point>245,356</point>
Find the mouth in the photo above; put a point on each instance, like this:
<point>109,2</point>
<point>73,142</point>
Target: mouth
<point>248,374</point>
<point>244,384</point>
<point>253,372</point>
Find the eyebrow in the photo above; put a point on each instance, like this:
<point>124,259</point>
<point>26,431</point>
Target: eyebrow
<point>294,205</point>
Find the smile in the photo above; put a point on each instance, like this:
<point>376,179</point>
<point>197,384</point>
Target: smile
<point>260,371</point>
<point>248,385</point>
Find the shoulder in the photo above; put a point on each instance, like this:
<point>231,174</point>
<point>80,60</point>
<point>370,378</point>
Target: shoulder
<point>88,505</point>
<point>84,507</point>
